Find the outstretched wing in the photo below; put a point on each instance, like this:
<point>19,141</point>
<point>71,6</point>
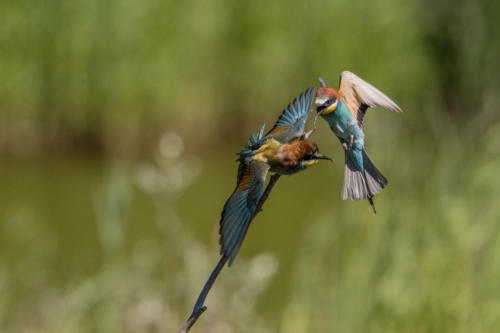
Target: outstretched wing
<point>359,95</point>
<point>241,207</point>
<point>291,123</point>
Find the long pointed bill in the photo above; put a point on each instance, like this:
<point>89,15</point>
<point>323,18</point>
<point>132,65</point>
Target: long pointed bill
<point>322,157</point>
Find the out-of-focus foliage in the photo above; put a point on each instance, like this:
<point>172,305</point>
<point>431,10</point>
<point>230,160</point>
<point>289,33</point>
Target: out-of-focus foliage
<point>159,95</point>
<point>83,72</point>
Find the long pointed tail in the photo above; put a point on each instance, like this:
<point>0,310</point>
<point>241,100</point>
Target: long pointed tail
<point>361,185</point>
<point>374,178</point>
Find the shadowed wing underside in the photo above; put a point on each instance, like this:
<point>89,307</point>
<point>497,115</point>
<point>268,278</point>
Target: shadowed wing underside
<point>241,206</point>
<point>291,123</point>
<point>359,95</point>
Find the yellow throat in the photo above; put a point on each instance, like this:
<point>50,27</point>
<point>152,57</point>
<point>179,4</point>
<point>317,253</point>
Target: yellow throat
<point>330,109</point>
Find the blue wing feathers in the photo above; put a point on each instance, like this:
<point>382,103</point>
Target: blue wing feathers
<point>261,132</point>
<point>234,225</point>
<point>242,204</point>
<point>292,106</point>
<point>233,213</point>
<point>253,143</point>
<point>238,233</point>
<point>240,210</point>
<point>292,120</point>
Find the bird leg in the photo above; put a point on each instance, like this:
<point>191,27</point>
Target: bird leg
<point>351,140</point>
<point>306,136</point>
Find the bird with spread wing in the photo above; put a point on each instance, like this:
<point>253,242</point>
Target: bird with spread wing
<point>284,150</point>
<point>344,111</point>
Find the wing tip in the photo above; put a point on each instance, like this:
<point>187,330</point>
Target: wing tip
<point>309,95</point>
<point>393,106</point>
<point>347,73</point>
<point>358,83</point>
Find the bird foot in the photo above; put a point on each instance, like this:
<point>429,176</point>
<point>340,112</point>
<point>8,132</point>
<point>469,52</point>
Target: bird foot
<point>308,134</point>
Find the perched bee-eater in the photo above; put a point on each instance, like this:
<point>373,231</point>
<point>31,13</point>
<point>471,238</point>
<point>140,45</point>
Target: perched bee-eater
<point>283,150</point>
<point>344,111</point>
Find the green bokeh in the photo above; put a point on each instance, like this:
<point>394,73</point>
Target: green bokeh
<point>119,121</point>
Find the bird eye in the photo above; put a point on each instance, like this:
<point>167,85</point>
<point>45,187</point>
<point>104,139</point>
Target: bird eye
<point>330,101</point>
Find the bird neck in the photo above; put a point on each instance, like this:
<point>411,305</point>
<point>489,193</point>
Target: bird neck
<point>341,111</point>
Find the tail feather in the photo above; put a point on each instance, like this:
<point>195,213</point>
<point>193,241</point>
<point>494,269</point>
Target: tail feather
<point>354,182</point>
<point>374,178</point>
<point>359,185</point>
<point>370,200</point>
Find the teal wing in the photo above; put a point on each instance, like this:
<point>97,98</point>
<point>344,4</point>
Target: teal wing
<point>241,207</point>
<point>291,123</point>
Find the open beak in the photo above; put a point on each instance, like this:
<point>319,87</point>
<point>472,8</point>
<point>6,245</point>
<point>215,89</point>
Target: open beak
<point>320,109</point>
<point>320,105</point>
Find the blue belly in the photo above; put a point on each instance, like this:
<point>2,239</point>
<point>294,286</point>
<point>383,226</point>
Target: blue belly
<point>343,124</point>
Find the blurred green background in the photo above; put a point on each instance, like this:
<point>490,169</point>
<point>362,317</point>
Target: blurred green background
<point>119,121</point>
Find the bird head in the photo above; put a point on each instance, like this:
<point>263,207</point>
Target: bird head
<point>326,99</point>
<point>312,154</point>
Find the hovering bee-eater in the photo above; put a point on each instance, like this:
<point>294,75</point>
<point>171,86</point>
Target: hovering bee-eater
<point>344,111</point>
<point>283,150</point>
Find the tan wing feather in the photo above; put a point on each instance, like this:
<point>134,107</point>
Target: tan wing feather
<point>359,95</point>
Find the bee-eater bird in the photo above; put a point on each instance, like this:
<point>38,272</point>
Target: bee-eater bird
<point>344,111</point>
<point>283,150</point>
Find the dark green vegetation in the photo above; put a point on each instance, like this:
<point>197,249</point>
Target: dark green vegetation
<point>107,225</point>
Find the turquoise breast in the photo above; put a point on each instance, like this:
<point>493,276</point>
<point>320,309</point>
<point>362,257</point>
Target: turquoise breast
<point>343,124</point>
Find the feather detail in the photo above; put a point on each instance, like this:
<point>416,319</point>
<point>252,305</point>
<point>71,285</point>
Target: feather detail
<point>359,185</point>
<point>291,122</point>
<point>241,205</point>
<point>358,95</point>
